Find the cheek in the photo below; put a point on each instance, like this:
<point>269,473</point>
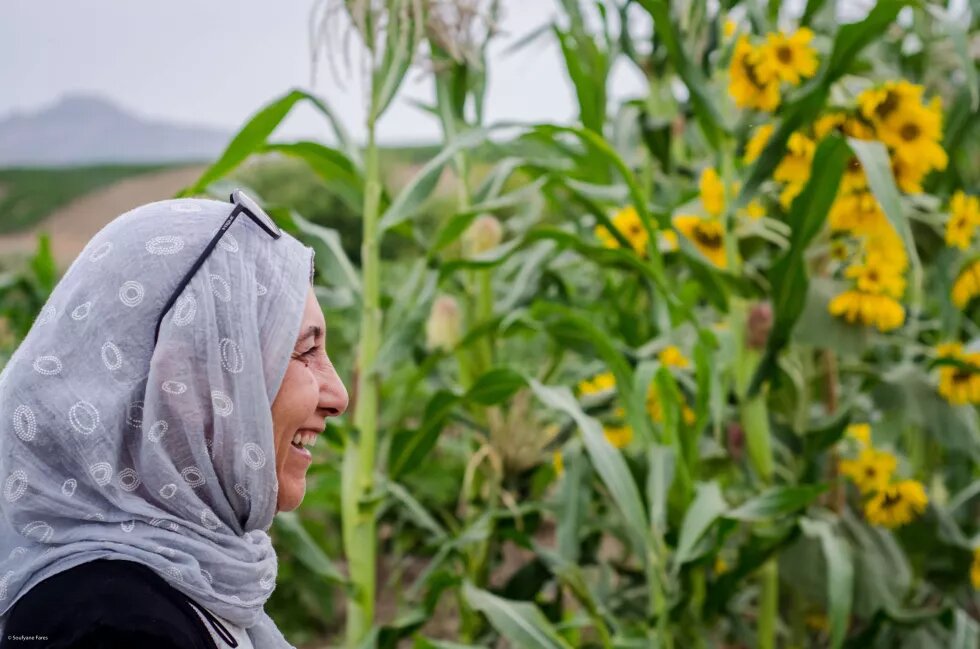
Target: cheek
<point>298,395</point>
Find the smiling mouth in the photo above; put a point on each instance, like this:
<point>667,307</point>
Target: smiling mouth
<point>304,439</point>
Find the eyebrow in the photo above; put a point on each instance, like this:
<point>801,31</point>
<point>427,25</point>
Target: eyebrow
<point>313,331</point>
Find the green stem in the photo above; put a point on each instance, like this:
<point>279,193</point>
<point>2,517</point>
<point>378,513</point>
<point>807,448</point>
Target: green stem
<point>358,510</point>
<point>755,423</point>
<point>768,604</point>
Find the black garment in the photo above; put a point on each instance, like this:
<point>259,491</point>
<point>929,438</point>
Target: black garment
<point>107,604</point>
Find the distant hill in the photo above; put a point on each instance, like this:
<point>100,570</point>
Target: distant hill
<point>88,129</point>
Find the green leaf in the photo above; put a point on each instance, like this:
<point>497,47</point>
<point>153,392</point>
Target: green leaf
<point>606,459</point>
<point>573,494</point>
<point>331,261</point>
<point>587,67</point>
<point>877,167</point>
<point>421,186</point>
<point>966,632</point>
<point>854,37</point>
<point>708,505</point>
<point>495,386</point>
<point>672,36</point>
<point>661,460</point>
<point>817,327</point>
<point>777,501</point>
<point>416,511</point>
<point>788,273</point>
<point>519,622</point>
<point>410,447</point>
<point>334,168</point>
<point>840,576</point>
<point>298,541</point>
<point>247,141</point>
<point>427,643</point>
<point>44,266</point>
<point>567,324</point>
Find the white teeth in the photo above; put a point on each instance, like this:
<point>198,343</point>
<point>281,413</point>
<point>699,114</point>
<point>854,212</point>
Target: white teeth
<point>305,438</point>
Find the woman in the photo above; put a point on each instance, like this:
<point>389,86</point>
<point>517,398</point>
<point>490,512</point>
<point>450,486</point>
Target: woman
<point>182,353</point>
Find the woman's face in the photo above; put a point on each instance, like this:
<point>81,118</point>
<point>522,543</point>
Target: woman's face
<point>310,392</point>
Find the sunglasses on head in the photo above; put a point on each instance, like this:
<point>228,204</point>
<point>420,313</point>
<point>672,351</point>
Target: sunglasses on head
<point>243,204</point>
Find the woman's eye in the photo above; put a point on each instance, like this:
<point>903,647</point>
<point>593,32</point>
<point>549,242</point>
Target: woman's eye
<point>310,351</point>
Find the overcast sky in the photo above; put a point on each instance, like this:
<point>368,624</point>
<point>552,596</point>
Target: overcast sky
<point>215,62</point>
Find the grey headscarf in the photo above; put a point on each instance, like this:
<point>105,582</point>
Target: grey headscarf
<point>111,448</point>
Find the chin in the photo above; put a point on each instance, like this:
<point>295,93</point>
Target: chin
<point>289,500</point>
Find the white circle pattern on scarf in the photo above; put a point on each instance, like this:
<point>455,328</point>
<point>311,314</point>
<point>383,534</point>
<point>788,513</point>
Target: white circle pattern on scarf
<point>81,311</point>
<point>25,424</point>
<point>114,444</point>
<point>131,293</point>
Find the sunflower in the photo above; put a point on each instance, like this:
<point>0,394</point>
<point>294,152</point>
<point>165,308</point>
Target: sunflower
<point>871,471</point>
<point>964,215</point>
<point>755,145</point>
<point>707,235</point>
<point>789,194</point>
<point>789,58</point>
<point>882,311</point>
<point>857,213</point>
<point>915,134</point>
<point>671,356</point>
<point>618,436</point>
<point>967,285</point>
<point>877,278</point>
<point>897,504</point>
<point>627,222</point>
<point>861,433</point>
<point>844,123</point>
<point>881,103</point>
<point>751,85</point>
<point>795,165</point>
<point>908,174</point>
<point>853,179</point>
<point>884,247</point>
<point>598,383</point>
<point>712,192</point>
<point>959,385</point>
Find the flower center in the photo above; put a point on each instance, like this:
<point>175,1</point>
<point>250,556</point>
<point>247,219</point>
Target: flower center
<point>784,54</point>
<point>887,105</point>
<point>891,499</point>
<point>750,73</point>
<point>910,132</point>
<point>709,238</point>
<point>961,375</point>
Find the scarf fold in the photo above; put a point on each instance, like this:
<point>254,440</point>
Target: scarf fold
<point>113,448</point>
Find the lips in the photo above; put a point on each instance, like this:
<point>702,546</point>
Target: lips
<point>303,452</point>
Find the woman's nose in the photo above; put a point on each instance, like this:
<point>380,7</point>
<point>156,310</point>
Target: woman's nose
<point>333,395</point>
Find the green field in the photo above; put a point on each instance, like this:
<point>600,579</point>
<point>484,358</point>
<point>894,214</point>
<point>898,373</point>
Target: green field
<point>27,195</point>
